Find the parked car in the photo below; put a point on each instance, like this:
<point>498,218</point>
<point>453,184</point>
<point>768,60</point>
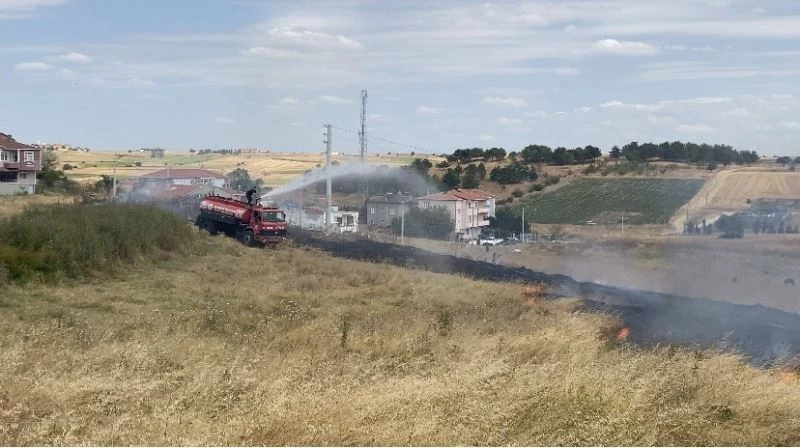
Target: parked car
<point>492,241</point>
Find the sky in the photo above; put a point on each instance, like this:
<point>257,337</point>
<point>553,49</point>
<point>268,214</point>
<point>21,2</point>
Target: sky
<point>440,75</point>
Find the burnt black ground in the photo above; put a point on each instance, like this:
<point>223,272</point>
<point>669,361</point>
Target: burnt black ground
<point>764,335</point>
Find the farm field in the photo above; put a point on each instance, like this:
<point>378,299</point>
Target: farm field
<point>729,190</point>
<point>644,201</point>
<point>275,168</point>
<point>338,352</point>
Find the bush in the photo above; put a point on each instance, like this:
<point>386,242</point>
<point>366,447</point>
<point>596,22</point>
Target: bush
<point>66,167</point>
<point>77,241</point>
<point>537,187</point>
<point>517,193</point>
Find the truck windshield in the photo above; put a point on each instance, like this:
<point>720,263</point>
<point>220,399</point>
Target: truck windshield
<point>274,216</point>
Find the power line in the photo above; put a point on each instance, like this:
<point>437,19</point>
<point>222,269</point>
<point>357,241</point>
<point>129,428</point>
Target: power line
<point>384,140</point>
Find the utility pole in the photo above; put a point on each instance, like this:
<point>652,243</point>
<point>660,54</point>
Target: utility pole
<point>362,135</point>
<point>328,189</point>
<point>402,223</point>
<point>522,235</point>
<point>114,193</point>
<point>622,230</point>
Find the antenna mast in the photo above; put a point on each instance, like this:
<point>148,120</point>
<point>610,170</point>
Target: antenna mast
<point>362,135</point>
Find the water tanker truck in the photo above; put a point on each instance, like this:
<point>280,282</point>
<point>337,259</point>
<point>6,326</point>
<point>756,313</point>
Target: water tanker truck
<point>250,224</point>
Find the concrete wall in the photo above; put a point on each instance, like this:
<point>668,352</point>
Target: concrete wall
<point>382,213</point>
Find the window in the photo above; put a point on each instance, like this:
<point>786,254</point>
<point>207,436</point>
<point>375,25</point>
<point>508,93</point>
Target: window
<point>3,156</point>
<point>23,176</point>
<point>29,157</point>
<point>372,210</point>
<point>8,177</point>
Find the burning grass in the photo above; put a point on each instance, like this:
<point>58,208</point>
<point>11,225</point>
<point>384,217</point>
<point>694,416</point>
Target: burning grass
<point>49,242</point>
<point>249,346</point>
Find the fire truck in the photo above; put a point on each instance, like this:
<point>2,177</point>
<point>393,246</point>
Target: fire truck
<point>251,224</point>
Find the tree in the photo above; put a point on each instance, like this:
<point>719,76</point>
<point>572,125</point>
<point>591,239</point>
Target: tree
<point>106,183</point>
<point>513,174</point>
<point>537,154</point>
<point>783,161</point>
<point>435,223</point>
<point>422,166</point>
<point>615,153</point>
<point>451,179</point>
<point>592,152</point>
<point>49,159</point>
<point>239,179</point>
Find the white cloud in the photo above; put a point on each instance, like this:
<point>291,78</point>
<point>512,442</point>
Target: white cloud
<point>79,58</point>
<point>299,124</point>
<point>790,124</point>
<point>485,138</point>
<point>739,112</point>
<point>695,129</point>
<point>624,48</point>
<point>329,99</point>
<point>304,38</point>
<point>225,120</point>
<point>140,83</point>
<point>155,97</point>
<point>509,121</point>
<point>507,101</point>
<point>288,101</point>
<point>123,105</point>
<point>427,110</point>
<point>33,67</point>
<point>66,73</point>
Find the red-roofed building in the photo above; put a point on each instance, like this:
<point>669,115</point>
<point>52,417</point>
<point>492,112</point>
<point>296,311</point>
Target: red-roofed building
<point>470,209</point>
<point>18,166</point>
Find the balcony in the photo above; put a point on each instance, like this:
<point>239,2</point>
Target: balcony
<point>10,165</point>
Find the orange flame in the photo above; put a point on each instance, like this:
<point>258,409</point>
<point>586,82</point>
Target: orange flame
<point>788,376</point>
<point>532,294</point>
<point>623,334</point>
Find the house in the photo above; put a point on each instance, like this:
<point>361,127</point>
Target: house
<point>383,208</point>
<point>18,166</point>
<point>313,218</point>
<point>470,209</point>
<point>185,176</point>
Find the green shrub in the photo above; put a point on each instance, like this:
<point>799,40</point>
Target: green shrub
<point>45,242</point>
<point>537,187</point>
<point>517,193</point>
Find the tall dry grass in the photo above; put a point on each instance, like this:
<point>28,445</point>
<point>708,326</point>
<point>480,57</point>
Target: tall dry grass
<point>250,347</point>
<point>47,242</point>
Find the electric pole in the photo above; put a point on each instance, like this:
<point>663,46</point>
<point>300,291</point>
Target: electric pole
<point>522,235</point>
<point>622,230</point>
<point>402,223</point>
<point>362,135</point>
<point>328,189</point>
<point>114,193</point>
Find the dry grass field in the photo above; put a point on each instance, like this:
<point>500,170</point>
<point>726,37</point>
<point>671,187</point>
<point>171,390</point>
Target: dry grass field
<point>728,191</point>
<point>275,168</point>
<point>11,205</point>
<point>243,346</point>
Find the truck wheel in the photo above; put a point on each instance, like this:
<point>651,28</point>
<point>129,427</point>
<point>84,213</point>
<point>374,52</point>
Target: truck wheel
<point>210,227</point>
<point>248,239</point>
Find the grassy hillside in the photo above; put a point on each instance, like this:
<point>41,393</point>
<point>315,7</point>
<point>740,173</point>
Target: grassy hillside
<point>644,201</point>
<point>251,347</point>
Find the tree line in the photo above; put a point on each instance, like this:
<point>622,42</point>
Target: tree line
<point>676,151</point>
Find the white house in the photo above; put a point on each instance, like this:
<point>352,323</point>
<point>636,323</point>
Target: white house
<point>186,176</point>
<point>470,209</point>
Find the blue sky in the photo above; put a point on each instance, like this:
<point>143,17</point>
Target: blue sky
<point>115,74</point>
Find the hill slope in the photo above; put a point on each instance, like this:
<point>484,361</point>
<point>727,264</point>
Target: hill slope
<point>643,200</point>
<point>729,190</point>
<point>247,346</point>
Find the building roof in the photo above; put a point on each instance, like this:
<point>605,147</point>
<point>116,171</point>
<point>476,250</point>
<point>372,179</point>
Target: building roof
<point>459,195</point>
<point>8,142</point>
<point>174,191</point>
<point>183,173</point>
<point>391,198</point>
